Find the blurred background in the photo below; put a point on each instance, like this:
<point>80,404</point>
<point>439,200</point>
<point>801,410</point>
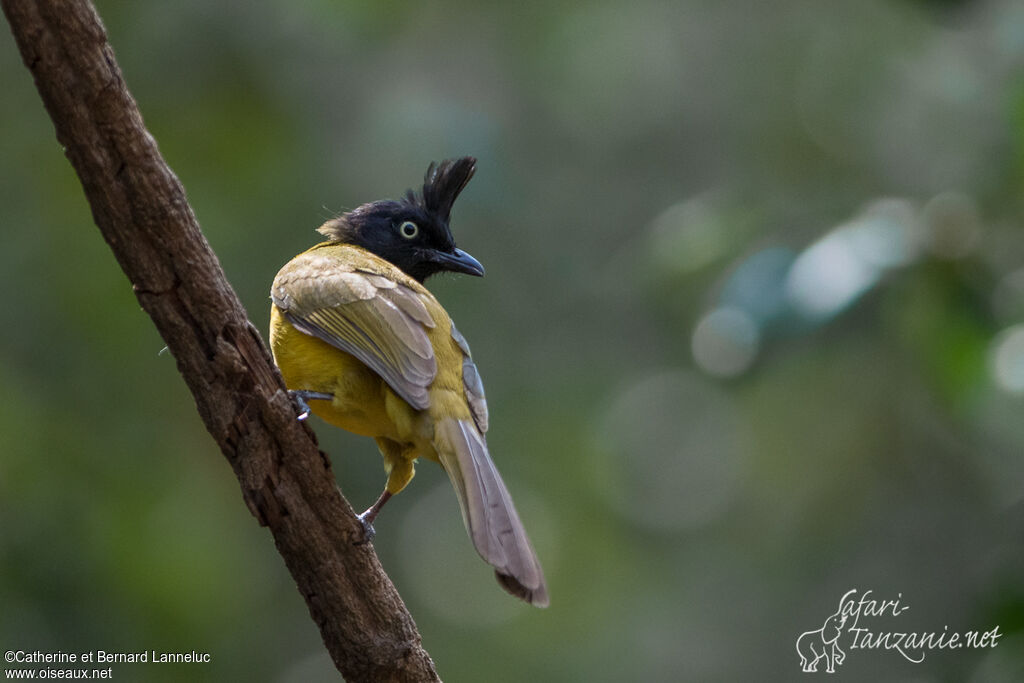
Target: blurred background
<point>752,331</point>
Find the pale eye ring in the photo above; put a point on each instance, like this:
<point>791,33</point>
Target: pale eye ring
<point>408,230</point>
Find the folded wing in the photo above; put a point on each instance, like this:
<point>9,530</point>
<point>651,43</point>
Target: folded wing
<point>379,321</point>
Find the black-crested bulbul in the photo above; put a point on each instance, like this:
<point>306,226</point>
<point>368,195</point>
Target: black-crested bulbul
<point>355,333</point>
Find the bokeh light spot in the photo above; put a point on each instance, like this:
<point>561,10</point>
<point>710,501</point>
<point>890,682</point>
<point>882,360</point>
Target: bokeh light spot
<point>725,342</point>
<point>756,286</point>
<point>689,235</point>
<point>828,277</point>
<point>886,233</point>
<point>1006,359</point>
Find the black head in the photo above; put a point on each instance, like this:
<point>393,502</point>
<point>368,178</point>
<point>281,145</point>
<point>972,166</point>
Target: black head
<point>413,232</point>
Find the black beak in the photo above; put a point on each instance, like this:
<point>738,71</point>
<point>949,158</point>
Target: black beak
<point>459,262</point>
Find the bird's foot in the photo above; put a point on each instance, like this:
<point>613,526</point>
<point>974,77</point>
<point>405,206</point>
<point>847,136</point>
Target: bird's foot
<point>301,396</point>
<point>366,519</point>
<point>368,531</point>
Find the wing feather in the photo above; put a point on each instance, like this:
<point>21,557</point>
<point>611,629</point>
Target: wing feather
<point>472,383</point>
<point>381,322</point>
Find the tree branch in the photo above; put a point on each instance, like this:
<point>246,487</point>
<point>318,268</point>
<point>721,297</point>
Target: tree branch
<point>140,207</point>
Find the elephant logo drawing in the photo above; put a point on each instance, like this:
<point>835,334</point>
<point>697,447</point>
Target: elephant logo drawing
<point>823,643</point>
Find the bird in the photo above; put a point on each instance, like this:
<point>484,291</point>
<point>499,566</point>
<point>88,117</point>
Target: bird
<point>362,344</point>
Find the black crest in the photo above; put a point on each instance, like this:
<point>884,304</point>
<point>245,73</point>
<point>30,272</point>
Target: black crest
<point>442,185</point>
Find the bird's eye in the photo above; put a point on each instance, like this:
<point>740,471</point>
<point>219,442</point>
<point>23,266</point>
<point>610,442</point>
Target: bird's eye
<point>409,230</point>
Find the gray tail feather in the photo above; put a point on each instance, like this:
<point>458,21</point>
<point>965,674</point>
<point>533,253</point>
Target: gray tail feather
<point>488,512</point>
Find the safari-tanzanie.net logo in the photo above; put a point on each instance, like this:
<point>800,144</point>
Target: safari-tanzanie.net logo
<point>842,632</point>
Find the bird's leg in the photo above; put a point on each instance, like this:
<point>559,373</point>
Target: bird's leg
<point>399,465</point>
<point>301,396</point>
<point>366,519</point>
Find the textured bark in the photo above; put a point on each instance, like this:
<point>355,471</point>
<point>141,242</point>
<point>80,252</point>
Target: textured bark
<point>140,207</point>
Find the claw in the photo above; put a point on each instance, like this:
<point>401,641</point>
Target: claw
<point>301,396</point>
<point>368,531</point>
<point>366,519</point>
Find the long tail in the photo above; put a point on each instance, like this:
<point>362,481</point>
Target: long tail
<point>488,512</point>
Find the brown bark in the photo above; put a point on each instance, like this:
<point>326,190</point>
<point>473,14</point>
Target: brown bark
<point>140,207</point>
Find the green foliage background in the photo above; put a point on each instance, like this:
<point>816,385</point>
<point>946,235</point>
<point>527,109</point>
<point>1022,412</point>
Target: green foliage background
<point>640,166</point>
